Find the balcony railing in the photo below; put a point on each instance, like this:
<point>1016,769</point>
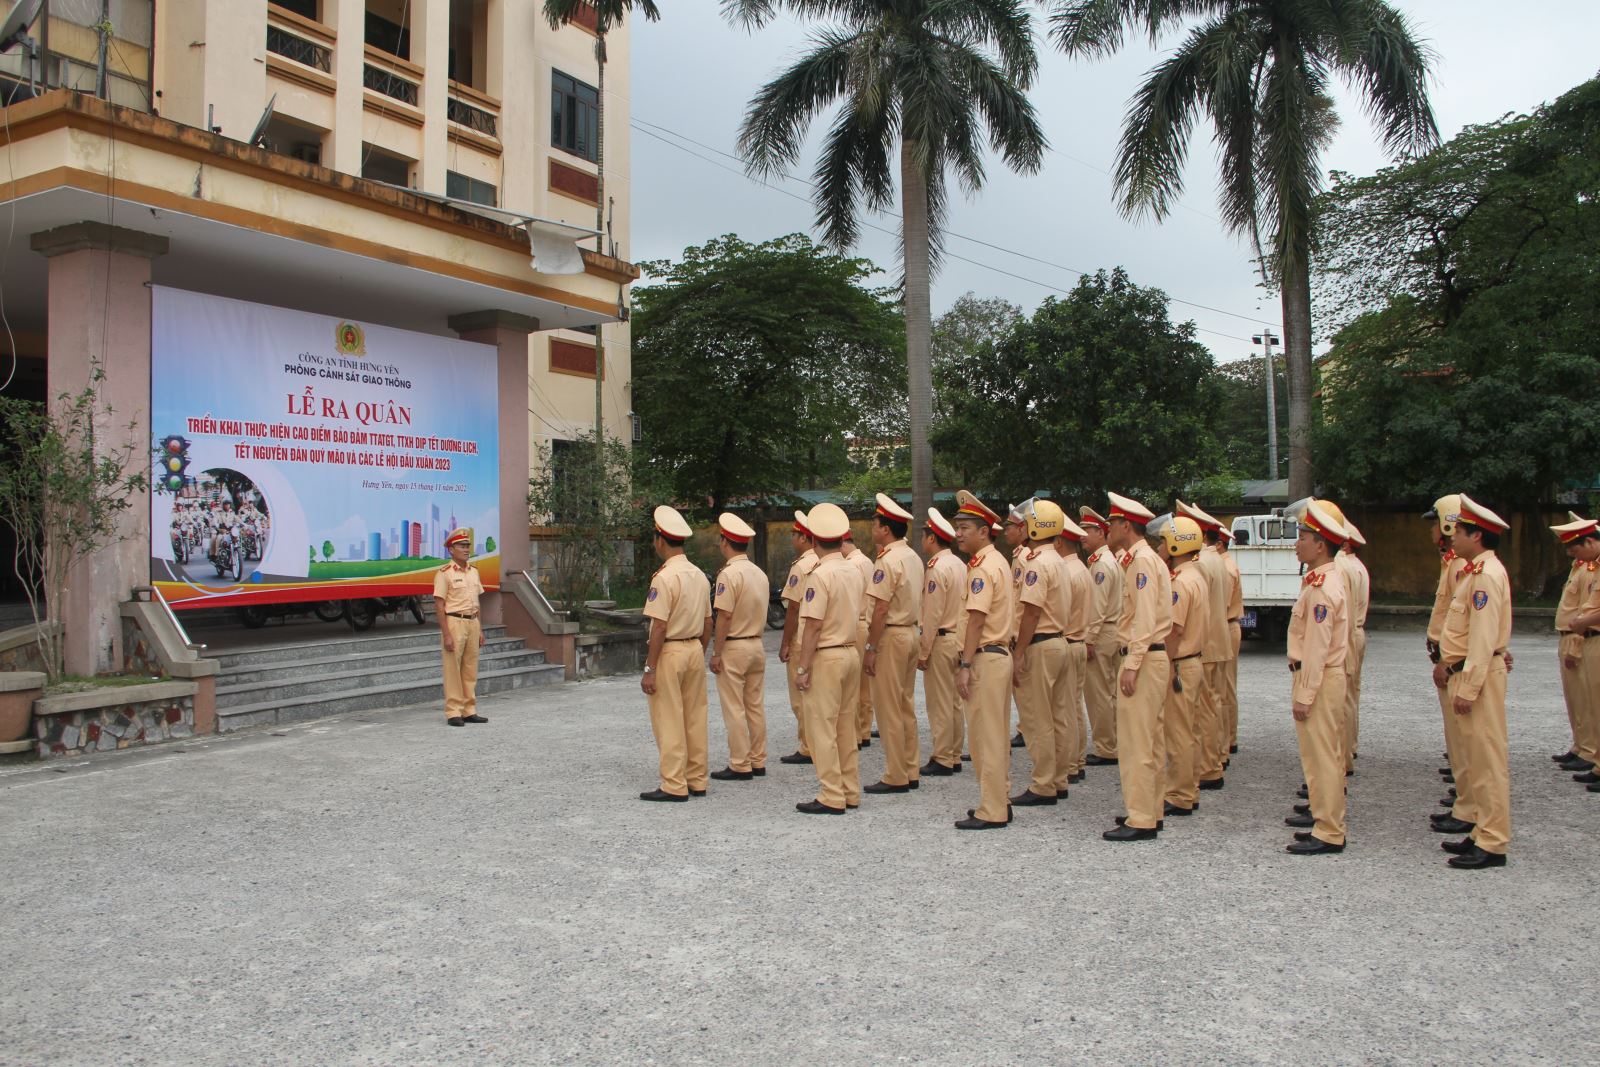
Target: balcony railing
<point>291,46</point>
<point>477,111</point>
<point>390,84</point>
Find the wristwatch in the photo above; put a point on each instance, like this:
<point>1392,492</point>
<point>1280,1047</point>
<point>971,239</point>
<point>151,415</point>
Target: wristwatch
<point>964,664</point>
<point>802,670</point>
<point>649,669</point>
<point>869,646</point>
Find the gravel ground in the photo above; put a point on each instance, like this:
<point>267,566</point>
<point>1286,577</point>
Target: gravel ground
<point>378,889</point>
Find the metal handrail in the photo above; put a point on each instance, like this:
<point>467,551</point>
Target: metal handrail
<point>173,617</point>
<point>532,584</point>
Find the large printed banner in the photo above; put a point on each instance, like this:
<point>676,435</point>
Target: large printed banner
<point>301,457</point>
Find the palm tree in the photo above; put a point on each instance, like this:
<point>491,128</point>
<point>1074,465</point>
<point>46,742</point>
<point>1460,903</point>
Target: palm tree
<point>1260,71</point>
<point>934,75</point>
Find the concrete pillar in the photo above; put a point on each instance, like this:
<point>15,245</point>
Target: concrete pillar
<point>99,322</point>
<point>524,110</point>
<point>430,49</point>
<point>349,21</point>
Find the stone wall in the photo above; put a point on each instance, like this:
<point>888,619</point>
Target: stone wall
<point>19,651</point>
<point>105,720</point>
<point>139,655</point>
<point>622,652</point>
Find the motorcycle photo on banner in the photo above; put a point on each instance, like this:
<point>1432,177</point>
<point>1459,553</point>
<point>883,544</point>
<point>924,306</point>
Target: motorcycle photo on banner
<point>308,464</point>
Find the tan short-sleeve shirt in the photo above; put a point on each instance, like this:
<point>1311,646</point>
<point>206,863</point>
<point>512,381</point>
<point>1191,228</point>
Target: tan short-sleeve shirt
<point>1146,603</point>
<point>1477,624</point>
<point>1217,646</point>
<point>742,593</point>
<point>1319,636</point>
<point>679,596</point>
<point>1042,582</point>
<point>1081,586</point>
<point>1235,590</point>
<point>897,579</point>
<point>942,598</point>
<point>458,587</point>
<point>864,567</point>
<point>988,589</point>
<point>1191,609</point>
<point>832,601</point>
<point>794,587</point>
<point>1104,615</point>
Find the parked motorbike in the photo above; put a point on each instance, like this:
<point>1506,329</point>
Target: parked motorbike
<point>777,610</point>
<point>363,615</point>
<point>255,616</point>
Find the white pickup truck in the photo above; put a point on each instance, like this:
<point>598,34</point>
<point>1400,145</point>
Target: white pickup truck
<point>1269,573</point>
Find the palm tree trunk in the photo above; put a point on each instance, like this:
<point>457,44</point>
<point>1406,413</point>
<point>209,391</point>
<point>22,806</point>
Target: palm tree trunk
<point>1297,360</point>
<point>919,332</point>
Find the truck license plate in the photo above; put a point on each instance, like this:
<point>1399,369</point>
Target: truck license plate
<point>1247,621</point>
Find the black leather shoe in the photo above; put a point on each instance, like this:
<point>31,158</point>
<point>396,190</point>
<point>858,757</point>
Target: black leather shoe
<point>1313,847</point>
<point>697,792</point>
<point>1100,761</point>
<point>875,732</point>
<point>758,772</point>
<point>1302,809</point>
<point>1477,860</point>
<point>1568,754</point>
<point>1448,778</point>
<point>966,757</point>
<point>957,768</point>
<point>975,823</point>
<point>1169,808</point>
<point>1029,799</point>
<point>1129,833</point>
<point>878,788</point>
<point>1593,788</point>
<point>1304,822</point>
<point>1449,824</point>
<point>454,720</point>
<point>1122,820</point>
<point>972,813</point>
<point>474,717</point>
<point>728,774</point>
<point>1017,741</point>
<point>1234,749</point>
<point>1074,779</point>
<point>863,744</point>
<point>935,769</point>
<point>913,784</point>
<point>1577,763</point>
<point>671,798</point>
<point>1212,783</point>
<point>795,757</point>
<point>1458,848</point>
<point>816,807</point>
<point>1587,777</point>
<point>1302,793</point>
<point>1303,835</point>
<point>1446,770</point>
<point>1447,802</point>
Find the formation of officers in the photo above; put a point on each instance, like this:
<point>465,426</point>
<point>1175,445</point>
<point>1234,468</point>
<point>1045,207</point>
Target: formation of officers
<point>1118,638</point>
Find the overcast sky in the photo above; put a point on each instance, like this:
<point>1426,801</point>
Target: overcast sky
<point>693,75</point>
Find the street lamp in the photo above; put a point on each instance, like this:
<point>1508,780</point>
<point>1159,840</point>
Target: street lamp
<point>1267,339</point>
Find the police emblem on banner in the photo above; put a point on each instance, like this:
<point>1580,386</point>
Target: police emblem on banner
<point>1320,612</point>
<point>1479,599</point>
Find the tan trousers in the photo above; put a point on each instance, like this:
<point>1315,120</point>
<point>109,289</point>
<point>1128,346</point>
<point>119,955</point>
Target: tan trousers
<point>1352,696</point>
<point>1465,809</point>
<point>831,725</point>
<point>1182,720</point>
<point>1100,695</point>
<point>1230,686</point>
<point>1210,723</point>
<point>1586,679</point>
<point>946,721</point>
<point>864,696</point>
<point>678,716</point>
<point>1321,739</point>
<point>744,713</point>
<point>797,700</point>
<point>1072,724</point>
<point>988,733</point>
<point>461,669</point>
<point>894,694</point>
<point>1040,705</point>
<point>1482,734</point>
<point>1141,741</point>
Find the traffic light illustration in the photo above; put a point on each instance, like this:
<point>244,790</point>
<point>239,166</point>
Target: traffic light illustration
<point>174,460</point>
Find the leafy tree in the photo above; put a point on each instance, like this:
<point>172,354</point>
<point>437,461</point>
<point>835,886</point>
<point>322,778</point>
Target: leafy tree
<point>1096,391</point>
<point>752,362</point>
<point>488,544</point>
<point>327,550</point>
<point>934,76</point>
<point>1241,420</point>
<point>1261,71</point>
<point>860,489</point>
<point>592,499</point>
<point>971,324</point>
<point>67,481</point>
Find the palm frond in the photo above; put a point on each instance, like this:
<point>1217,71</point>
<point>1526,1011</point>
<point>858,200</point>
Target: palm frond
<point>1293,132</point>
<point>1383,58</point>
<point>1155,132</point>
<point>1009,116</point>
<point>608,13</point>
<point>1005,26</point>
<point>773,130</point>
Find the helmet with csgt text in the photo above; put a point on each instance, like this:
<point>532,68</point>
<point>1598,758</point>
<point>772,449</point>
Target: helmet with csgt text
<point>1043,518</point>
<point>1182,536</point>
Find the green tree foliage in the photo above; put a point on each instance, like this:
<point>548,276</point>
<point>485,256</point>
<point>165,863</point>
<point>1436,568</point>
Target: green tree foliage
<point>1096,391</point>
<point>1467,355</point>
<point>595,503</point>
<point>1241,421</point>
<point>753,362</point>
<point>327,550</point>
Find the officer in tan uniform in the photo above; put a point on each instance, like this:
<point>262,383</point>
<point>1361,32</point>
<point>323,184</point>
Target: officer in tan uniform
<point>456,589</point>
<point>1181,719</point>
<point>1581,539</point>
<point>1146,672</point>
<point>1472,670</point>
<point>1230,674</point>
<point>1211,724</point>
<point>1039,654</point>
<point>1463,813</point>
<point>1015,534</point>
<point>830,666</point>
<point>1359,583</point>
<point>1100,641</point>
<point>894,599</point>
<point>1081,585</point>
<point>1319,640</point>
<point>737,658</point>
<point>805,561</point>
<point>983,673</point>
<point>862,562</point>
<point>679,609</point>
<point>942,606</point>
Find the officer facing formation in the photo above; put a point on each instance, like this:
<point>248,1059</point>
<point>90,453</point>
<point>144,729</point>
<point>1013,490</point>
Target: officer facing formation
<point>1578,656</point>
<point>679,609</point>
<point>894,599</point>
<point>456,589</point>
<point>737,658</point>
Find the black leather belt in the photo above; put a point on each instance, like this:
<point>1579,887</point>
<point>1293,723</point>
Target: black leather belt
<point>1294,665</point>
<point>824,648</point>
<point>1151,648</point>
<point>1037,638</point>
<point>899,624</point>
<point>459,615</point>
<point>1074,640</point>
<point>1590,633</point>
<point>672,640</point>
<point>944,633</point>
<point>1460,665</point>
<point>1180,659</point>
<point>998,650</point>
<point>746,637</point>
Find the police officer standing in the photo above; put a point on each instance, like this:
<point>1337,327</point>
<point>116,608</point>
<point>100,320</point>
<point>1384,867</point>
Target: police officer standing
<point>1472,671</point>
<point>983,673</point>
<point>1211,732</point>
<point>942,607</point>
<point>829,668</point>
<point>679,609</point>
<point>1359,583</point>
<point>1100,640</point>
<point>1038,658</point>
<point>1082,604</point>
<point>1146,673</point>
<point>456,589</point>
<point>1581,539</point>
<point>737,658</point>
<point>1463,813</point>
<point>1182,721</point>
<point>1318,643</point>
<point>1230,673</point>
<point>894,599</point>
<point>862,562</point>
<point>805,561</point>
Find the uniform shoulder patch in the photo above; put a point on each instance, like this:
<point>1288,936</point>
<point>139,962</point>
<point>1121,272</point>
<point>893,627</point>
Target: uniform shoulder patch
<point>877,575</point>
<point>794,579</point>
<point>1320,612</point>
<point>977,585</point>
<point>654,592</point>
<point>722,587</point>
<point>1174,596</point>
<point>1139,582</point>
<point>1099,577</point>
<point>932,585</point>
<point>1032,578</point>
<point>811,594</point>
<point>1480,599</point>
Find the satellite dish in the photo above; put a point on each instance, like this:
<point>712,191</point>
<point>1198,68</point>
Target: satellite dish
<point>15,27</point>
<point>260,132</point>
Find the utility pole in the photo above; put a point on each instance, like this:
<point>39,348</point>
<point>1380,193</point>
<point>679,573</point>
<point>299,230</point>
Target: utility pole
<point>1267,339</point>
<point>104,29</point>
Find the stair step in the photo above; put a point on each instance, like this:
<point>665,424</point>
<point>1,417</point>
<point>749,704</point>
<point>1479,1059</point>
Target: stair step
<point>394,695</point>
<point>230,694</point>
<point>420,637</point>
<point>299,670</point>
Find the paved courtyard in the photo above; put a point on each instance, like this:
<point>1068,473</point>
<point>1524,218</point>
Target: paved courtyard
<point>378,889</point>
